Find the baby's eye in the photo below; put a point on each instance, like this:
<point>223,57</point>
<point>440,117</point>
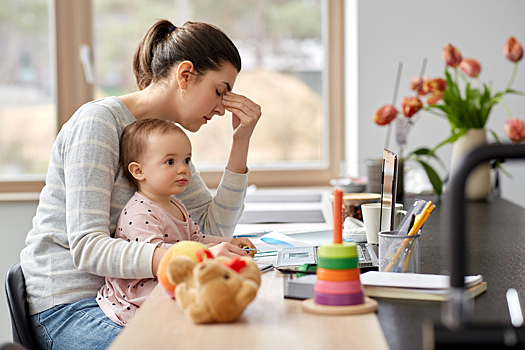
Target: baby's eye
<point>187,160</point>
<point>169,162</point>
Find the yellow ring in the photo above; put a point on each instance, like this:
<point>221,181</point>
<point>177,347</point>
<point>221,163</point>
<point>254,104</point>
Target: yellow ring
<point>338,250</point>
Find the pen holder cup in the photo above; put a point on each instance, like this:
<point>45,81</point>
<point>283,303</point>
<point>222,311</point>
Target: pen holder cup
<point>398,253</point>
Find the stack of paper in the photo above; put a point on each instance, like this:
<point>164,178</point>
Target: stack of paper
<point>416,286</point>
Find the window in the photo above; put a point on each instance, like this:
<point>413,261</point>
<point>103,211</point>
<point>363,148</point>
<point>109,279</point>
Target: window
<point>27,89</point>
<point>292,66</point>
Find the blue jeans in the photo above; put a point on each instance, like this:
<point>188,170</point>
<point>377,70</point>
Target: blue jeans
<point>79,325</point>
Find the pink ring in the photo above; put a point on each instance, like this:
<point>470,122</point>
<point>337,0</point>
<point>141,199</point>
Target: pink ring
<point>338,287</point>
<point>339,300</point>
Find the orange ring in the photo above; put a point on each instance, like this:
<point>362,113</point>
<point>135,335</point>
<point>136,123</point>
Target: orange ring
<point>338,275</point>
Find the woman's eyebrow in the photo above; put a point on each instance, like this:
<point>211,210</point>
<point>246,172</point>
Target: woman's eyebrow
<point>227,85</point>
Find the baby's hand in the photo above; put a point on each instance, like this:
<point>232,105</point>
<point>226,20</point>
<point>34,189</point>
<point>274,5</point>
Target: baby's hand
<point>227,249</point>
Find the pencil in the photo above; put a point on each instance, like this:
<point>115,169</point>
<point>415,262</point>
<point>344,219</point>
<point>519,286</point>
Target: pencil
<point>429,207</point>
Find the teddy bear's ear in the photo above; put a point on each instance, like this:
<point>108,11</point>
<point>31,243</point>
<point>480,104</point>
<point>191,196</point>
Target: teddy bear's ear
<point>180,269</point>
<point>251,270</point>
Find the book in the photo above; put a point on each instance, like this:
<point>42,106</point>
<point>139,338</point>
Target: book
<point>416,286</point>
<point>420,294</point>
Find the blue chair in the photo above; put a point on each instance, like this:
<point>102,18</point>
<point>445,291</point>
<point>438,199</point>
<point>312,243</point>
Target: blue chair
<point>15,289</point>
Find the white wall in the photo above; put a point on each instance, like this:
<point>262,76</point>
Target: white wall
<point>16,221</point>
<point>385,32</point>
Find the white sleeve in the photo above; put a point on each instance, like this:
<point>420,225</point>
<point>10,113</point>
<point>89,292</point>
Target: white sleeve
<point>216,215</point>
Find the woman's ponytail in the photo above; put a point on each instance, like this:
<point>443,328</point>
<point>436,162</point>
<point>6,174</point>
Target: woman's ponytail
<point>165,45</point>
<point>143,55</point>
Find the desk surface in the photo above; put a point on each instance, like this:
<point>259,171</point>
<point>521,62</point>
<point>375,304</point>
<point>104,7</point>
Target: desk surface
<point>269,322</point>
<point>496,250</point>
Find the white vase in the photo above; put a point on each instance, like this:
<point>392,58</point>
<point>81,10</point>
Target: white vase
<point>478,183</point>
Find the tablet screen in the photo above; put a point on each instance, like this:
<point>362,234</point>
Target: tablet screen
<point>388,188</point>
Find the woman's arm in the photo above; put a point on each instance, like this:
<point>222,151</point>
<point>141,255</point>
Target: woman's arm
<point>93,199</point>
<point>245,115</point>
<point>219,214</point>
<point>216,215</point>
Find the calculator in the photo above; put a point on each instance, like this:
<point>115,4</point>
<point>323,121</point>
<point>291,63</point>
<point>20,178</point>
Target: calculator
<point>296,256</point>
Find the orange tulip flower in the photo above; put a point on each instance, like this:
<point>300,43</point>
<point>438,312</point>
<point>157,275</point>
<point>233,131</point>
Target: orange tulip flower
<point>411,105</point>
<point>515,130</point>
<point>434,98</point>
<point>470,66</point>
<point>416,84</point>
<point>385,115</point>
<point>513,49</point>
<point>451,56</point>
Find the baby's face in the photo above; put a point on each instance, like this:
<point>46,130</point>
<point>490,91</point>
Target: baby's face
<point>166,164</point>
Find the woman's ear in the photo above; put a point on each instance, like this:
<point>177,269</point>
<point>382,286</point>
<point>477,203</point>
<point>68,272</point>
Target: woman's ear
<point>135,170</point>
<point>185,71</point>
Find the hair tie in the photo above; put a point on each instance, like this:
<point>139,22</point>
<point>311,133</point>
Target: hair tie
<point>172,29</point>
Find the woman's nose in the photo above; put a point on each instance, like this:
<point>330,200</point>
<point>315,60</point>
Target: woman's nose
<point>219,110</point>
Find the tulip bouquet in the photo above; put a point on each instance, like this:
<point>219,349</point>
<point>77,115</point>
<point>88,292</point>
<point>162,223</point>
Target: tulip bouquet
<point>471,109</point>
<point>410,106</point>
<point>464,110</point>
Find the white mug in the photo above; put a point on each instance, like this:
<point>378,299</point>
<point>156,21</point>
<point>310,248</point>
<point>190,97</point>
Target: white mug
<point>371,219</point>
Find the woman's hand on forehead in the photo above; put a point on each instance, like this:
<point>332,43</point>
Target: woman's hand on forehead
<point>245,115</point>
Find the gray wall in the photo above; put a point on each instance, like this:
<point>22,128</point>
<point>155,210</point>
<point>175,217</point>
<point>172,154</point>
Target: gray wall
<point>381,33</point>
<point>15,220</point>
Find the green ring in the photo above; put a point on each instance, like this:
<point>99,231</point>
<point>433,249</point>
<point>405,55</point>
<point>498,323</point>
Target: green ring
<point>338,264</point>
<point>338,251</point>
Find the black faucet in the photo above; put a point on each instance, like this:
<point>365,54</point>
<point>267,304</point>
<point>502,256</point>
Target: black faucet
<point>458,310</point>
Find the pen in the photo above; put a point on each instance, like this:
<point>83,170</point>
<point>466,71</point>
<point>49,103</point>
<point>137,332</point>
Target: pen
<point>406,256</point>
<point>429,207</point>
<point>407,259</point>
<point>412,219</point>
<point>411,250</point>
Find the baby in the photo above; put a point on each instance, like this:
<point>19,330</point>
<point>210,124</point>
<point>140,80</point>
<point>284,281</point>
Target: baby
<point>155,155</point>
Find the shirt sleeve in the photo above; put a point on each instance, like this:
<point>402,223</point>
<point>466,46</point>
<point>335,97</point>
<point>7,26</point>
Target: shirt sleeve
<point>216,214</point>
<point>90,161</point>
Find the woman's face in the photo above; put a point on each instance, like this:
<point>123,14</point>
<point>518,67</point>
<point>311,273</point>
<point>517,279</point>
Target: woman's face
<point>202,97</point>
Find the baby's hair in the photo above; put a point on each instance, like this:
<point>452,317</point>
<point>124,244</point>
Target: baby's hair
<point>134,141</point>
<point>165,45</point>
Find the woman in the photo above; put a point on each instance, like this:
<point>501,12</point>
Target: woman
<point>185,74</point>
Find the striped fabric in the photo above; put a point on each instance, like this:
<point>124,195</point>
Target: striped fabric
<point>69,249</point>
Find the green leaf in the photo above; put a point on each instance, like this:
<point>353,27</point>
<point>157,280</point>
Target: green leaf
<point>456,134</point>
<point>516,92</point>
<point>436,182</point>
<point>426,152</point>
<point>494,134</point>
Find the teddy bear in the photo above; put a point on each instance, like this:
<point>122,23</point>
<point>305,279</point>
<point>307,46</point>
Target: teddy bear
<point>210,289</point>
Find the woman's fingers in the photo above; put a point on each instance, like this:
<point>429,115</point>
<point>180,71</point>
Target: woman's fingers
<point>234,98</point>
<point>233,101</point>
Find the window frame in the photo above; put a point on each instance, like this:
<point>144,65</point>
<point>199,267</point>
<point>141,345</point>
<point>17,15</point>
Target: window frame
<point>72,91</point>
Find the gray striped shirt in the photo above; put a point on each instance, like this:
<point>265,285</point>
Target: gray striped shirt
<point>69,250</point>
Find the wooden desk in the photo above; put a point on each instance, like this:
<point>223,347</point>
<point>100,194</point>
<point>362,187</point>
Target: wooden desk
<point>496,250</point>
<point>269,322</point>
